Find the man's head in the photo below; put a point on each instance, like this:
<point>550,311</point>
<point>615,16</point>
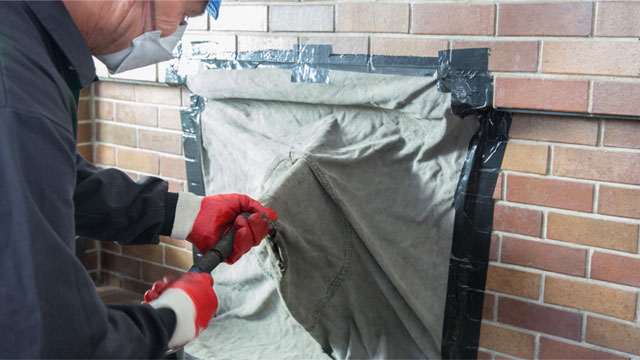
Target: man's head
<point>110,26</point>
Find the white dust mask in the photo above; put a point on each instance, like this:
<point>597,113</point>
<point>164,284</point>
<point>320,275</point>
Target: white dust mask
<point>146,49</point>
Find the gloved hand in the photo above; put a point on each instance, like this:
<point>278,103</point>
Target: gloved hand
<point>191,298</point>
<point>204,220</point>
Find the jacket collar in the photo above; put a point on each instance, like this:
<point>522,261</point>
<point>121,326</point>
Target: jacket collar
<point>56,19</point>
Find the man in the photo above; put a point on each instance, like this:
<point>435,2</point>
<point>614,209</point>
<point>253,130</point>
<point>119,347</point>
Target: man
<point>49,193</point>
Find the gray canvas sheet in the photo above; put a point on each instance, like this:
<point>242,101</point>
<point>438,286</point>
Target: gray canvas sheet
<point>362,173</point>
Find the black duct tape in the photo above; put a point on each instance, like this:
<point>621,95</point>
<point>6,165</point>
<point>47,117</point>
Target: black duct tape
<point>472,236</point>
<point>464,74</point>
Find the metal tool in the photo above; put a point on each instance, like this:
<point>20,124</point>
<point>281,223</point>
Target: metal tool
<point>209,261</point>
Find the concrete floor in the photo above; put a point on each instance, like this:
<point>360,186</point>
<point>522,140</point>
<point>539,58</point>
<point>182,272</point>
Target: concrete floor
<point>115,295</point>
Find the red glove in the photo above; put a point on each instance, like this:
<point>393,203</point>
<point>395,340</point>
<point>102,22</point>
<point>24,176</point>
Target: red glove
<point>203,221</point>
<point>191,298</point>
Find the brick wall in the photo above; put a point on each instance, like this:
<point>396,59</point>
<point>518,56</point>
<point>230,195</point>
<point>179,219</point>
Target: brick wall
<point>565,267</point>
<point>564,277</point>
<point>137,128</point>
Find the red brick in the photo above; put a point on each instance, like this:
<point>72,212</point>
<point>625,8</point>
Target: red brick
<point>132,175</point>
<point>495,246</point>
<point>482,355</point>
<point>497,191</point>
<point>90,260</point>
<point>137,160</point>
<point>145,252</point>
<point>619,201</point>
<point>85,92</point>
<point>106,155</point>
<point>565,129</point>
<point>152,272</point>
<point>179,258</point>
<point>507,341</point>
<point>592,232</point>
<point>618,19</point>
<point>175,186</point>
<point>540,318</point>
<point>372,17</point>
<point>407,47</point>
<point>84,110</point>
<point>301,18</point>
<point>185,94</point>
<point>137,114</point>
<point>596,164</point>
<point>173,167</point>
<point>172,241</point>
<point>126,266</point>
<point>513,282</point>
<point>160,141</point>
<point>111,246</point>
<point>257,43</point>
<point>591,57</point>
<point>242,18</point>
<point>487,306</point>
<point>622,133</point>
<point>109,278</point>
<point>104,110</point>
<point>526,158</point>
<point>85,132</point>
<point>169,119</point>
<point>86,151</point>
<point>616,98</point>
<point>543,256</point>
<point>160,95</point>
<point>115,134</point>
<point>506,55</point>
<point>114,90</point>
<point>553,349</point>
<point>590,297</point>
<point>517,220</point>
<point>453,19</point>
<point>614,268</point>
<point>340,44</point>
<point>550,19</point>
<point>138,287</point>
<point>542,94</point>
<point>613,335</point>
<point>561,194</point>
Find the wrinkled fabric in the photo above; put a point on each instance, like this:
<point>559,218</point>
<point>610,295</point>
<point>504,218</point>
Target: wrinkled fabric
<point>362,173</point>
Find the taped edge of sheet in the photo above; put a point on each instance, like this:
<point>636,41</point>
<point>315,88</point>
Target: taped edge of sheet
<point>464,73</point>
<point>472,229</point>
<point>192,142</point>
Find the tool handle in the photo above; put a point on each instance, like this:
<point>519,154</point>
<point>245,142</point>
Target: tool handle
<point>217,254</point>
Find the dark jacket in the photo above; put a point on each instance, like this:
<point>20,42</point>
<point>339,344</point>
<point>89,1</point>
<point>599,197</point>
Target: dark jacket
<point>49,194</point>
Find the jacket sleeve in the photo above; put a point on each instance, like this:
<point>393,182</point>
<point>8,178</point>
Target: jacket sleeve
<point>49,306</point>
<point>110,206</point>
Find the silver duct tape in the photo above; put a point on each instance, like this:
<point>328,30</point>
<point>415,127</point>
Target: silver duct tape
<point>192,142</point>
<point>308,63</point>
<point>461,72</point>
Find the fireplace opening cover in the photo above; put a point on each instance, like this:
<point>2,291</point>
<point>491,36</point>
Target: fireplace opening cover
<point>382,173</point>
